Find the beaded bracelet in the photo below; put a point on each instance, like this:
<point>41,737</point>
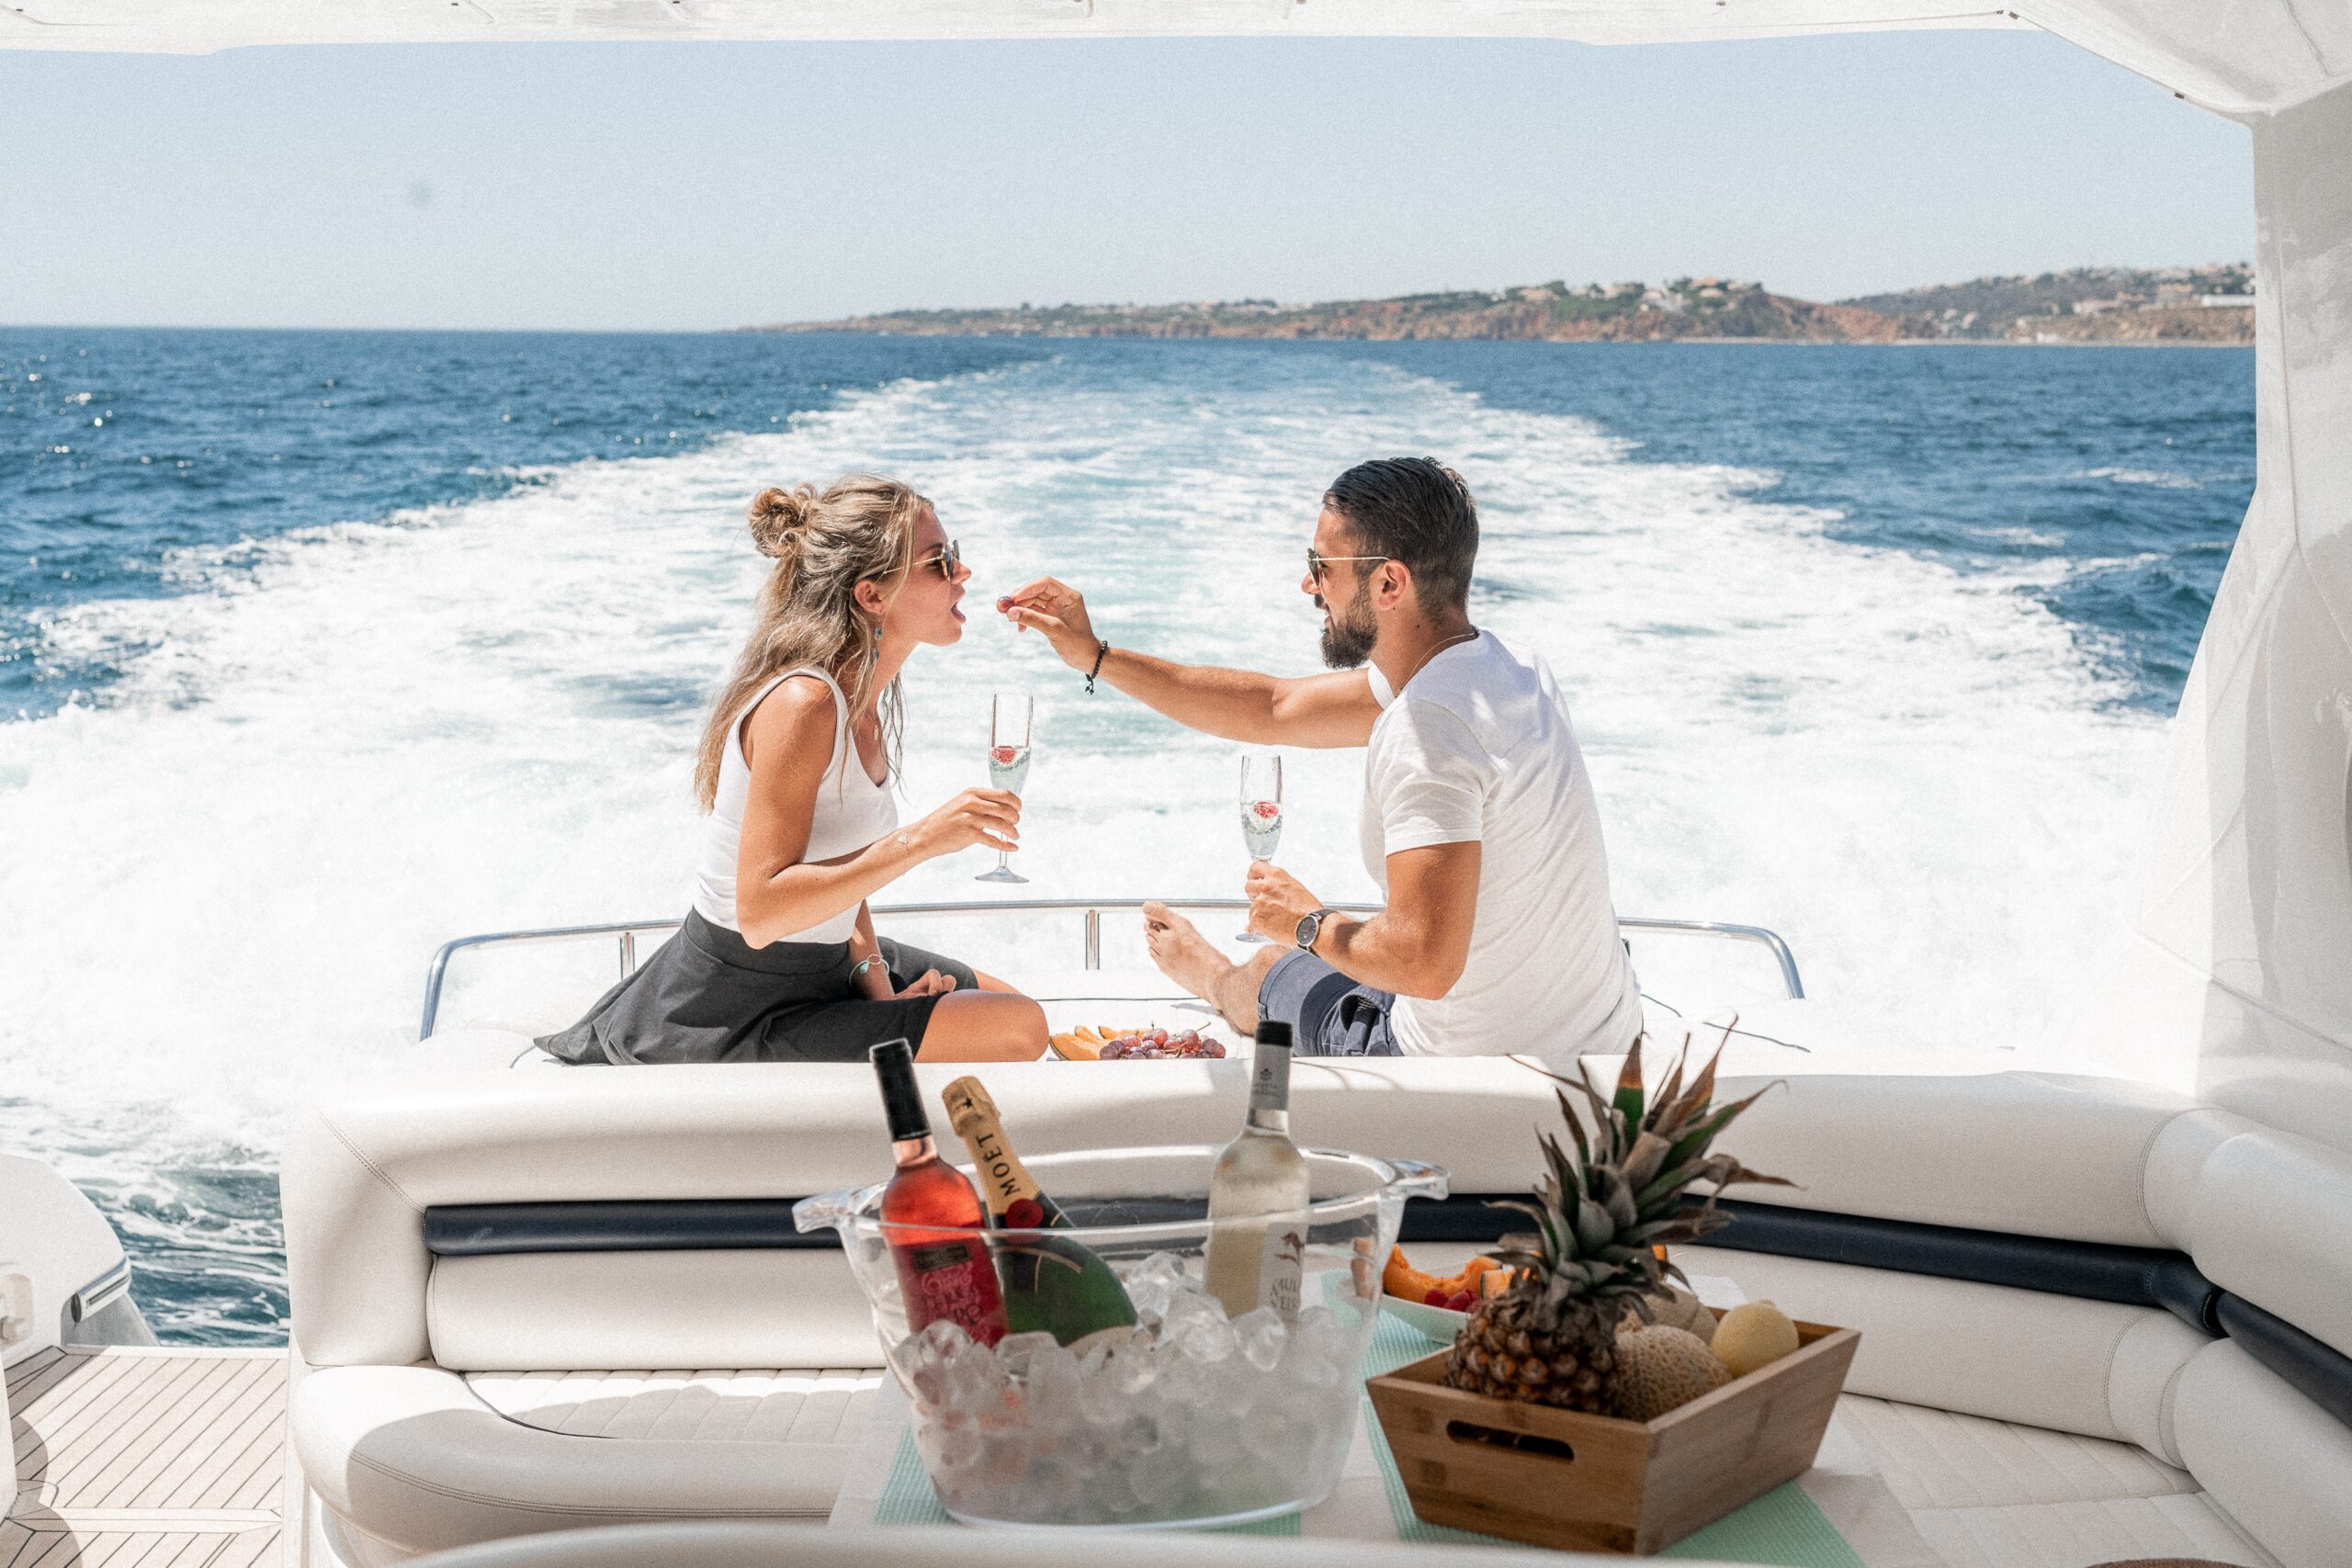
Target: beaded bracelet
<point>1102,651</point>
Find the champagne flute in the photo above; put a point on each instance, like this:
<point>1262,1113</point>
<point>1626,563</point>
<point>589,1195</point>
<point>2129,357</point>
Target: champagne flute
<point>1009,716</point>
<point>1261,810</point>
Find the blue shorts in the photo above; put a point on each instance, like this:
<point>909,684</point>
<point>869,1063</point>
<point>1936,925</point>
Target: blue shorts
<point>1328,1014</point>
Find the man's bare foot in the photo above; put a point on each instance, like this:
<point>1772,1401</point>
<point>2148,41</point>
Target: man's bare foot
<point>1183,955</point>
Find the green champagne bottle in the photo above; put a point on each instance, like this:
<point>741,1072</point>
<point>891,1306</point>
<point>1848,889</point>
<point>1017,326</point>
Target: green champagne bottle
<point>1055,1284</point>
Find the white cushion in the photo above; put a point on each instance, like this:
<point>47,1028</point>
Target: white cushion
<point>414,1462</point>
<point>2271,1219</point>
<point>1988,1350</point>
<point>2279,1464</point>
<point>1998,1494</point>
<point>2031,1154</point>
<point>563,1311</point>
<point>761,1405</point>
<point>1940,1459</point>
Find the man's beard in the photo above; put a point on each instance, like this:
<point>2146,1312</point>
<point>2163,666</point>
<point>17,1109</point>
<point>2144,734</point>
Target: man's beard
<point>1348,638</point>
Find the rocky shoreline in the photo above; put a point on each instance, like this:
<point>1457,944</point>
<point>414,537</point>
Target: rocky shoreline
<point>2204,305</point>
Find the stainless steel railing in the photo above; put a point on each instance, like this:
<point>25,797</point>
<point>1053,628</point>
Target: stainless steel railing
<point>627,932</point>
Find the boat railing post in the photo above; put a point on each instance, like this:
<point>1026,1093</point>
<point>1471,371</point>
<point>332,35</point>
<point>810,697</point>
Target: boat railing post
<point>628,953</point>
<point>1093,936</point>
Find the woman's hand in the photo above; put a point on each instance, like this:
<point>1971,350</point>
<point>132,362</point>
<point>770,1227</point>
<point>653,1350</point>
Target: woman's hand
<point>1056,609</point>
<point>932,984</point>
<point>989,816</point>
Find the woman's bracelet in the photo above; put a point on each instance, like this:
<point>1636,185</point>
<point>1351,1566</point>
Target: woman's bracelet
<point>861,966</point>
<point>1102,651</point>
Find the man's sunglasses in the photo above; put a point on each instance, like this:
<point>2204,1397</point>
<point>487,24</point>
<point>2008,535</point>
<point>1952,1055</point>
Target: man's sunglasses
<point>948,560</point>
<point>1316,564</point>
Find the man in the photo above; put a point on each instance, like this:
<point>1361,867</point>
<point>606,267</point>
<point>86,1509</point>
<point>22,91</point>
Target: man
<point>1478,821</point>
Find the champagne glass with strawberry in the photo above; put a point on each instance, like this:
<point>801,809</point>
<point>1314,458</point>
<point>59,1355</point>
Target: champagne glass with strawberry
<point>1009,723</point>
<point>1261,810</point>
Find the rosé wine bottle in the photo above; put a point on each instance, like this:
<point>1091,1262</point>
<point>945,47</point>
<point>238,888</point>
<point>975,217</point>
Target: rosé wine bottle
<point>937,1236</point>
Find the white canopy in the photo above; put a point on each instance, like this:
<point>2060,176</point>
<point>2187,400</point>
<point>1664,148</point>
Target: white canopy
<point>2236,57</point>
<point>2238,964</point>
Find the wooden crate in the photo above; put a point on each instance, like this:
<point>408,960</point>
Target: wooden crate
<point>1596,1483</point>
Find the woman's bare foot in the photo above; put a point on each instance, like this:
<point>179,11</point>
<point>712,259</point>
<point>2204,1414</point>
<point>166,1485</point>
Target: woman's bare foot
<point>1183,955</point>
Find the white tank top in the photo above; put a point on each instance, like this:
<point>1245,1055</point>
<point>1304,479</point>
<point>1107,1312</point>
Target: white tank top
<point>852,812</point>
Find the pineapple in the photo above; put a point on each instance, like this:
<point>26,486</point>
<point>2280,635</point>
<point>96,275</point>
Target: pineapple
<point>1603,1223</point>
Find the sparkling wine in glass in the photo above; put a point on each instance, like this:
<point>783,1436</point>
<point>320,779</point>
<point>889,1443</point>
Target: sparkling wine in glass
<point>1261,810</point>
<point>1009,723</point>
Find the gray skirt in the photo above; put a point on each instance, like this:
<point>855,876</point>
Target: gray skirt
<point>709,995</point>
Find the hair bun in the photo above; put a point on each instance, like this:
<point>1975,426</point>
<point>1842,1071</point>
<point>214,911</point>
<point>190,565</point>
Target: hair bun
<point>777,515</point>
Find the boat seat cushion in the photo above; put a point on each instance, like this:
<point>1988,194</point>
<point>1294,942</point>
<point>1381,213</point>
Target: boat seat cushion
<point>417,1458</point>
<point>2028,1154</point>
<point>1996,1495</point>
<point>772,1406</point>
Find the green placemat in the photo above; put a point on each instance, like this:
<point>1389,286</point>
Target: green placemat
<point>1783,1528</point>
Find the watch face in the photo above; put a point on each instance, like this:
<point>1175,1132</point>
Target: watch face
<point>1307,928</point>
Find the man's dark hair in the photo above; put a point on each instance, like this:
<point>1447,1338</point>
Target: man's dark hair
<point>1417,513</point>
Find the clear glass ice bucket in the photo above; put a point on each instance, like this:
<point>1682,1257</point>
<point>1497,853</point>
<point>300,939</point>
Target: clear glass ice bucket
<point>1185,1421</point>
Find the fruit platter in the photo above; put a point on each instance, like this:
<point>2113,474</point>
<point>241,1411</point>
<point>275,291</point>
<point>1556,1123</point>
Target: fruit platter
<point>1144,1043</point>
<point>1437,1305</point>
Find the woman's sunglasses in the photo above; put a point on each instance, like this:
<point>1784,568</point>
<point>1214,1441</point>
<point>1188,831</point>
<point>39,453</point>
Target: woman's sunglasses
<point>948,560</point>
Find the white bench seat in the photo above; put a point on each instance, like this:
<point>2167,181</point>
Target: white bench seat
<point>1988,1493</point>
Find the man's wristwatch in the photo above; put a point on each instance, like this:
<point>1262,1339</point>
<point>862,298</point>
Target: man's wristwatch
<point>1309,929</point>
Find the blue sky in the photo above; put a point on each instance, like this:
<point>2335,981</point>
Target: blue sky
<point>694,186</point>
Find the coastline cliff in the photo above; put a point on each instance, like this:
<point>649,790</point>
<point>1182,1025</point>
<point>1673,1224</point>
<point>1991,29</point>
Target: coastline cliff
<point>2203,305</point>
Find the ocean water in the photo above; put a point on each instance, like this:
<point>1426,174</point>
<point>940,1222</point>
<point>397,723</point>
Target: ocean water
<point>317,649</point>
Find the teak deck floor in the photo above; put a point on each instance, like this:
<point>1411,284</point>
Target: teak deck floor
<point>146,1458</point>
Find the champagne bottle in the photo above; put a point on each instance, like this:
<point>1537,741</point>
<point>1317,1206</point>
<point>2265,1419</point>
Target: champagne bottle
<point>1254,1262</point>
<point>1052,1283</point>
<point>936,1241</point>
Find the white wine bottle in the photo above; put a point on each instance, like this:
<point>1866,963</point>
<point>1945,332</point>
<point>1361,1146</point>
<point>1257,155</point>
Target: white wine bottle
<point>1255,1261</point>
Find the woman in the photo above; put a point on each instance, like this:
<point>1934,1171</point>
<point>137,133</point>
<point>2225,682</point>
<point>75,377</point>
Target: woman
<point>778,960</point>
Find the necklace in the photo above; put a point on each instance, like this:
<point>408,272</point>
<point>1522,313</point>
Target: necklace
<point>1432,653</point>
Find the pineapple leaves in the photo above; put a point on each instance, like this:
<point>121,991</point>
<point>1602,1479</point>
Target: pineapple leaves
<point>1641,1165</point>
<point>1627,1103</point>
<point>1595,1227</point>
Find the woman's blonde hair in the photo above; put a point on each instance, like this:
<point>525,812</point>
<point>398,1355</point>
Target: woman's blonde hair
<point>862,527</point>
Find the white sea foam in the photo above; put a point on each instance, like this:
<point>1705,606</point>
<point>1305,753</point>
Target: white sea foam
<point>221,886</point>
<point>2158,478</point>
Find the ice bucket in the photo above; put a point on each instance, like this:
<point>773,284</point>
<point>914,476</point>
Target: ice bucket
<point>1190,1418</point>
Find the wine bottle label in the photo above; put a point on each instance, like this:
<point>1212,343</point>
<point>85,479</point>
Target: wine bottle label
<point>1253,1264</point>
<point>1282,1268</point>
<point>953,1279</point>
<point>1270,1078</point>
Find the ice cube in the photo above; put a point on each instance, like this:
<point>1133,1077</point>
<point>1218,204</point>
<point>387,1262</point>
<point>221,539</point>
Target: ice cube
<point>1015,1352</point>
<point>1107,1390</point>
<point>1262,1335</point>
<point>1051,1392</point>
<point>1165,1267</point>
<point>1140,1435</point>
<point>975,1382</point>
<point>1207,1338</point>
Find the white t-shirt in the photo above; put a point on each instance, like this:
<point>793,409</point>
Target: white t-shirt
<point>1479,748</point>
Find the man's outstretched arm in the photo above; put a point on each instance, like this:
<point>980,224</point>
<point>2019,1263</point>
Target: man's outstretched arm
<point>1237,705</point>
